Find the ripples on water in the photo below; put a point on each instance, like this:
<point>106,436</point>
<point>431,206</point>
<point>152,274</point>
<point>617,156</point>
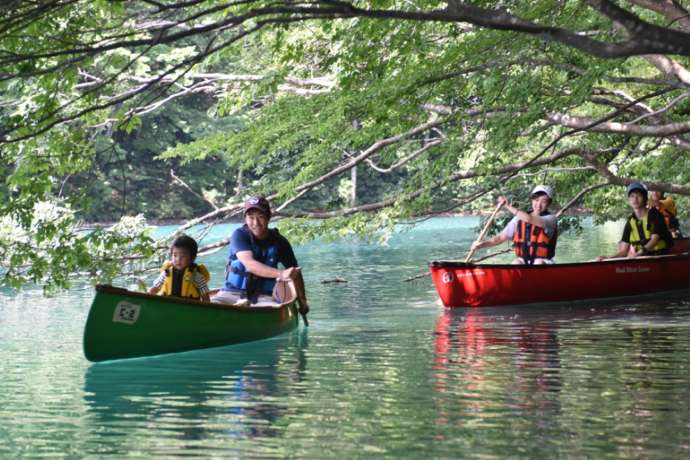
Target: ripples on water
<point>381,372</point>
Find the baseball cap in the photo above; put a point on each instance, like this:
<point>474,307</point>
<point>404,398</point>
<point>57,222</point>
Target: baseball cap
<point>636,186</point>
<point>542,189</point>
<point>258,202</point>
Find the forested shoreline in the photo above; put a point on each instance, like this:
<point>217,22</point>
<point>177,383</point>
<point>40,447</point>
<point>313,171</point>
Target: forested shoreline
<point>351,117</point>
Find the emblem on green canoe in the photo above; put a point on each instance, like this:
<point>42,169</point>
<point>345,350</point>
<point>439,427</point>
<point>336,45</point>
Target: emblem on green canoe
<point>126,312</point>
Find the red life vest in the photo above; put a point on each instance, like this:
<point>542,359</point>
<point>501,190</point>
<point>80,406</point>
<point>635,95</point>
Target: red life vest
<point>531,242</point>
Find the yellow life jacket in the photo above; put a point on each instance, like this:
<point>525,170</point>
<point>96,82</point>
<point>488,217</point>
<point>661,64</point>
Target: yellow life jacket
<point>641,233</point>
<point>188,288</point>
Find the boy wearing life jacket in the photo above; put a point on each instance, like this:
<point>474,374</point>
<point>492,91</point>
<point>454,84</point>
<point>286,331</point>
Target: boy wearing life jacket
<point>534,233</point>
<point>255,252</point>
<point>645,230</point>
<point>180,276</point>
<point>667,208</point>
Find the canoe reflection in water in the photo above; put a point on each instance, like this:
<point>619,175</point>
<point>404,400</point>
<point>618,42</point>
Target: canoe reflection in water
<point>179,394</point>
<point>481,352</point>
<point>530,364</point>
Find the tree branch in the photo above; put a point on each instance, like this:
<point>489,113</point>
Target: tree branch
<point>613,179</point>
<point>191,190</point>
<point>586,123</point>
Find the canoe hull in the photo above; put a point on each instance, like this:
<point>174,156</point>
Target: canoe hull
<point>124,324</point>
<point>468,285</point>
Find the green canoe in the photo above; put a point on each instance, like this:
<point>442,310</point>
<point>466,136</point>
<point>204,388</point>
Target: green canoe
<point>125,324</point>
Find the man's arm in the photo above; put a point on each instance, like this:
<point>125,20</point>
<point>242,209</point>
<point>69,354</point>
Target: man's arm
<point>522,215</point>
<point>505,235</point>
<point>257,268</point>
<point>623,249</point>
<point>496,240</point>
<point>653,240</point>
<point>623,245</point>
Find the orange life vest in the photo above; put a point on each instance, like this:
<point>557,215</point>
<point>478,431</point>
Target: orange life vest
<point>667,208</point>
<point>531,242</point>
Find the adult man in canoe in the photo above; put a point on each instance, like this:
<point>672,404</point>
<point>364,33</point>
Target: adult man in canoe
<point>533,233</point>
<point>645,231</point>
<point>255,252</point>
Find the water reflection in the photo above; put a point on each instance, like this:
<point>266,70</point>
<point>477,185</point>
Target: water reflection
<point>535,366</point>
<point>483,353</point>
<point>239,392</point>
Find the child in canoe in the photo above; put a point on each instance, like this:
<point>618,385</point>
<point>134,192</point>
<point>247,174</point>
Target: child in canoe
<point>667,208</point>
<point>180,276</point>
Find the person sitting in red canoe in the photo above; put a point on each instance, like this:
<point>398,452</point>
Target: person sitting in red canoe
<point>533,233</point>
<point>667,208</point>
<point>645,231</point>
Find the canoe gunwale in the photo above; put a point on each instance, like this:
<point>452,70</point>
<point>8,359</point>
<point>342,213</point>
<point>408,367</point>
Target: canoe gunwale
<point>459,264</point>
<point>112,290</point>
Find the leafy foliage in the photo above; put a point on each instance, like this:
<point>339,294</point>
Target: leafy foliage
<point>418,107</point>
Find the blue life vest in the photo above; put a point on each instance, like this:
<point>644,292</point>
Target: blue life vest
<point>237,277</point>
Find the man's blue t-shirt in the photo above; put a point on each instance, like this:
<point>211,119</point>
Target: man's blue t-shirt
<point>241,240</point>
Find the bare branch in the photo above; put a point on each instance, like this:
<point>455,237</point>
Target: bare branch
<point>586,123</point>
<point>656,113</point>
<point>192,191</point>
<point>404,160</point>
<point>577,197</point>
<point>370,151</point>
<point>670,68</point>
<point>613,179</point>
<point>669,8</point>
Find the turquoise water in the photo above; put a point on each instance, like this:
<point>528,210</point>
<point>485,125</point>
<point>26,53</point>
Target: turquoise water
<point>381,372</point>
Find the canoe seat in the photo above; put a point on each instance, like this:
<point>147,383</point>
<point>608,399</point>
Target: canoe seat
<point>265,301</point>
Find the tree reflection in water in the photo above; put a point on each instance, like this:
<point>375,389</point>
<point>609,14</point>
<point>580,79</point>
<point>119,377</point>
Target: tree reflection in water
<point>233,388</point>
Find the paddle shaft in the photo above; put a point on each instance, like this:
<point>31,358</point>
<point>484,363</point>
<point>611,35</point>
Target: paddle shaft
<point>298,282</point>
<point>484,231</point>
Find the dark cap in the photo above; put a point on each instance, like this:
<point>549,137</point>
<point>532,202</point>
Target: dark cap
<point>637,186</point>
<point>258,202</point>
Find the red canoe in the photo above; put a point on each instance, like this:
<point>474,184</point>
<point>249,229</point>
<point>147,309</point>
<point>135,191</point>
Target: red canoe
<point>680,245</point>
<point>468,285</point>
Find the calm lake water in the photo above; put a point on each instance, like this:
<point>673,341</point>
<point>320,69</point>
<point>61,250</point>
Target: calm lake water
<point>381,372</point>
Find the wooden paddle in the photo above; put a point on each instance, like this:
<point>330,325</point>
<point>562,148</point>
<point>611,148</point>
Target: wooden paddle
<point>301,295</point>
<point>484,231</point>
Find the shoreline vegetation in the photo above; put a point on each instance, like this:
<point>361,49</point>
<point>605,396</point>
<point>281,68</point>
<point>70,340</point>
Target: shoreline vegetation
<point>235,220</point>
<point>133,120</point>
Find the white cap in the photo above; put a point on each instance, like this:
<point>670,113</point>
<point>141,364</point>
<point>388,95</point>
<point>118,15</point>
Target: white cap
<point>544,189</point>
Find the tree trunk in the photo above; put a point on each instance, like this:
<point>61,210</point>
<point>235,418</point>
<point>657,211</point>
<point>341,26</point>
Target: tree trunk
<point>353,195</point>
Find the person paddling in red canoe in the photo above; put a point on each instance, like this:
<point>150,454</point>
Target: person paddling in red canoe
<point>534,232</point>
<point>645,231</point>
